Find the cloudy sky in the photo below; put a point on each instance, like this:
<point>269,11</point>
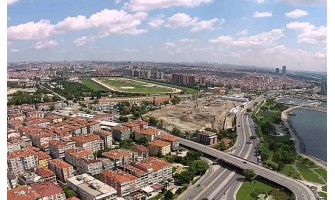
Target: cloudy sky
<point>268,33</point>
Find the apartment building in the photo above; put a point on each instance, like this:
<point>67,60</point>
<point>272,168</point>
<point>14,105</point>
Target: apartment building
<point>121,132</point>
<point>136,124</point>
<point>49,190</point>
<point>90,142</point>
<point>46,174</point>
<point>91,167</point>
<point>157,146</point>
<point>57,148</point>
<point>171,139</point>
<point>89,188</point>
<point>106,137</point>
<point>20,160</point>
<point>23,193</point>
<point>149,133</point>
<point>43,159</point>
<point>158,170</point>
<point>13,146</point>
<point>120,156</point>
<point>142,151</point>
<point>207,137</point>
<point>63,170</point>
<point>123,182</point>
<point>73,155</point>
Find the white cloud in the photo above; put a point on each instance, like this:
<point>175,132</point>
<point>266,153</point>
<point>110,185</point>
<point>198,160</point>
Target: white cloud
<point>184,20</point>
<point>10,2</point>
<point>186,40</point>
<point>297,13</point>
<point>31,31</point>
<point>243,32</point>
<point>156,23</point>
<point>45,44</point>
<point>83,40</point>
<point>308,32</point>
<point>260,1</point>
<point>262,39</point>
<point>146,5</point>
<point>263,14</point>
<point>169,44</point>
<point>304,2</point>
<point>118,1</point>
<point>106,22</point>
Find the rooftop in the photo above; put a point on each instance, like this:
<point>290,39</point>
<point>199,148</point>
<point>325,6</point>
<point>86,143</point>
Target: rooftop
<point>119,175</point>
<point>139,148</point>
<point>147,131</point>
<point>151,163</point>
<point>158,143</point>
<point>22,193</point>
<point>91,185</point>
<point>78,152</point>
<point>167,137</point>
<point>116,153</point>
<point>85,138</point>
<point>60,163</point>
<point>47,189</point>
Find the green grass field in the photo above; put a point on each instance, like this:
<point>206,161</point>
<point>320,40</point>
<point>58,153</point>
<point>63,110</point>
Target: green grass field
<point>92,85</point>
<point>289,170</point>
<point>308,174</point>
<point>322,194</point>
<point>322,173</point>
<point>324,188</point>
<point>136,86</point>
<point>248,187</point>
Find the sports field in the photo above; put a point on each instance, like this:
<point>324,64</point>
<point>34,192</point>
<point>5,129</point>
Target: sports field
<point>135,86</point>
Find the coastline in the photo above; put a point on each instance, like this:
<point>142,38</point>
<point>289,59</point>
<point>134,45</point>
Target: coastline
<point>298,141</point>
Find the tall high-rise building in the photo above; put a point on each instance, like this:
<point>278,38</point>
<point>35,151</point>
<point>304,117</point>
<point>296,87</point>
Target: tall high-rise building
<point>174,78</point>
<point>283,71</point>
<point>277,70</point>
<point>324,87</point>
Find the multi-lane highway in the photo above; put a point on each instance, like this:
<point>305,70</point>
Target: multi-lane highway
<point>215,186</point>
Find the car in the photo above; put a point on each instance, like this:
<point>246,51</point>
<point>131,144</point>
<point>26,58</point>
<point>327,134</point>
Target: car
<point>245,162</point>
<point>198,185</point>
<point>203,187</point>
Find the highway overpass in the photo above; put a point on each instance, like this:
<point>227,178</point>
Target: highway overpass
<point>301,191</point>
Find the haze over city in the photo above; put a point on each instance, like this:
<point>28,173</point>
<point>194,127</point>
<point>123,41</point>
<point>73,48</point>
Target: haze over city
<point>250,32</point>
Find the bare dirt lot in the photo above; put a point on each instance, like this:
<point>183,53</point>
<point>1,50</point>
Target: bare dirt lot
<point>186,116</point>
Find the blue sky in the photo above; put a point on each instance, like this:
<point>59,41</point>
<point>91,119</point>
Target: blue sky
<point>268,33</point>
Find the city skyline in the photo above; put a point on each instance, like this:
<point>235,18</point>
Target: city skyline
<point>261,33</point>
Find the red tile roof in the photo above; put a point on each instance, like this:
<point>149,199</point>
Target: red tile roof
<point>47,189</point>
<point>159,143</point>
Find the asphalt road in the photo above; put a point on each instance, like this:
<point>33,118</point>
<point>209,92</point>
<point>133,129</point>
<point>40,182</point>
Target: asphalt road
<point>216,185</point>
<point>301,191</point>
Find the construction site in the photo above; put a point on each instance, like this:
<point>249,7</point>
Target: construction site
<point>197,114</point>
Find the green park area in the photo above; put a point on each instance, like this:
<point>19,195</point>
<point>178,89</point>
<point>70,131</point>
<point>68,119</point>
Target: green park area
<point>92,85</point>
<point>250,190</point>
<point>278,152</point>
<point>137,86</point>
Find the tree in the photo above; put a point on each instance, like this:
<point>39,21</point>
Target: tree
<point>168,195</point>
<point>159,154</point>
<point>220,146</point>
<point>175,100</point>
<point>252,137</point>
<point>248,174</point>
<point>68,192</point>
<point>248,109</point>
<point>143,141</point>
<point>176,131</point>
<point>143,198</point>
<point>199,167</point>
<point>152,121</point>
